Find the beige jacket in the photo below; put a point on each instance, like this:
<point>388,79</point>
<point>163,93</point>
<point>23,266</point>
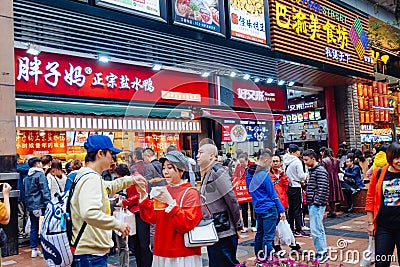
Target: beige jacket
<point>90,203</point>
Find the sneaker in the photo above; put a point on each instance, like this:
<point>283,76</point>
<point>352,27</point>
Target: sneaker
<point>36,253</point>
<point>301,233</point>
<point>244,230</point>
<point>305,228</point>
<point>253,229</point>
<point>324,258</point>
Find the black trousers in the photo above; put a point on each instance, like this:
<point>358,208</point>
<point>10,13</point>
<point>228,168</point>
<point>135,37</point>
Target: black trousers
<point>348,193</point>
<point>141,243</point>
<point>245,214</point>
<point>385,240</point>
<point>295,215</point>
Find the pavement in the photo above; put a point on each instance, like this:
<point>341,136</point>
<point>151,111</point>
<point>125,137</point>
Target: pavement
<point>346,237</point>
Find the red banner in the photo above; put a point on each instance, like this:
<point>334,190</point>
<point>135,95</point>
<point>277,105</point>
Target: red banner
<point>159,142</point>
<point>226,132</point>
<point>251,95</point>
<point>55,74</point>
<point>242,194</point>
<point>41,142</point>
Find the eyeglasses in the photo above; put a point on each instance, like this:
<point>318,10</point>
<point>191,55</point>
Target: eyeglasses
<point>276,161</point>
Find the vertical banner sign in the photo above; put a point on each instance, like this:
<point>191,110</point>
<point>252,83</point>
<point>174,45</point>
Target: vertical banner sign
<point>248,20</point>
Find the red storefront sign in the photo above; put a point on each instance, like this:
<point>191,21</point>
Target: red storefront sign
<point>41,142</point>
<point>251,95</point>
<point>55,74</point>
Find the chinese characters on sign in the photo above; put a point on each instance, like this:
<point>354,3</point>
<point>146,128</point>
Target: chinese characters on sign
<point>54,74</point>
<point>301,106</point>
<point>41,142</point>
<point>74,76</point>
<point>324,22</point>
<point>159,142</point>
<point>248,20</point>
<point>260,96</point>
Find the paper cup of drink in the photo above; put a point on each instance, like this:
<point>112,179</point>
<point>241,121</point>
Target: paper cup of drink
<point>158,205</point>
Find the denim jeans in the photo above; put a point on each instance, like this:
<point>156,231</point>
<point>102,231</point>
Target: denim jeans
<point>90,261</point>
<point>223,253</point>
<point>385,241</point>
<point>266,227</point>
<point>33,239</point>
<point>317,229</point>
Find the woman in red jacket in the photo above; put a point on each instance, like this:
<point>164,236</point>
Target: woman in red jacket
<point>383,207</point>
<point>176,219</point>
<point>141,241</point>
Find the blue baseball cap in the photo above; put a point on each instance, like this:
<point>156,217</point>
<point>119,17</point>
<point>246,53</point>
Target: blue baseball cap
<point>100,142</point>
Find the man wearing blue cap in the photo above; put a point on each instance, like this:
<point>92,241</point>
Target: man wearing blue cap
<point>90,207</point>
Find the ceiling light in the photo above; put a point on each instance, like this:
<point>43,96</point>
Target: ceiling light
<point>157,67</point>
<point>302,96</point>
<point>233,74</point>
<point>246,76</point>
<point>270,80</point>
<point>291,83</point>
<point>104,59</point>
<point>256,80</point>
<point>205,74</point>
<point>33,49</point>
<point>281,82</point>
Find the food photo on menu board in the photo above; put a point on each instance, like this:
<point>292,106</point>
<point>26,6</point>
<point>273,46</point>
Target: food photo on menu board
<point>202,14</point>
<point>151,7</point>
<point>257,133</point>
<point>238,133</point>
<point>80,138</point>
<point>248,20</point>
<point>294,117</point>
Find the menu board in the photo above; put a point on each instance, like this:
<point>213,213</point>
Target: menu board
<point>150,7</point>
<point>257,133</point>
<point>247,20</point>
<point>41,142</point>
<point>203,14</point>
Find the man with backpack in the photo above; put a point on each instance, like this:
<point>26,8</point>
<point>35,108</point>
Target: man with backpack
<point>90,208</point>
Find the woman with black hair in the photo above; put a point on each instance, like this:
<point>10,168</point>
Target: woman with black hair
<point>383,207</point>
<point>181,213</point>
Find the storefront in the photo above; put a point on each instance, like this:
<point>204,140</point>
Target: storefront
<point>321,44</point>
<point>305,122</point>
<point>378,113</point>
<point>245,114</point>
<point>61,100</point>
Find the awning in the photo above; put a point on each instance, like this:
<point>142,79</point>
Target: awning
<point>54,106</point>
<point>232,114</point>
<point>71,122</point>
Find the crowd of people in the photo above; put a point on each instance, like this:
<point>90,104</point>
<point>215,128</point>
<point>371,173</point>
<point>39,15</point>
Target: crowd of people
<point>280,185</point>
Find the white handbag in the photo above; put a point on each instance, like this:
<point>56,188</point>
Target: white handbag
<point>204,234</point>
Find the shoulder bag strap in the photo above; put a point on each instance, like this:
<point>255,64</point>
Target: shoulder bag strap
<point>59,187</point>
<point>69,232</point>
<point>204,208</point>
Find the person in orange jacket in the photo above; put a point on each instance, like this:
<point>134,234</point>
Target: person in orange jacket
<point>383,207</point>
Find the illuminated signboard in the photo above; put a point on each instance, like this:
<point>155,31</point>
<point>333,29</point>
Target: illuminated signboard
<point>322,31</point>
